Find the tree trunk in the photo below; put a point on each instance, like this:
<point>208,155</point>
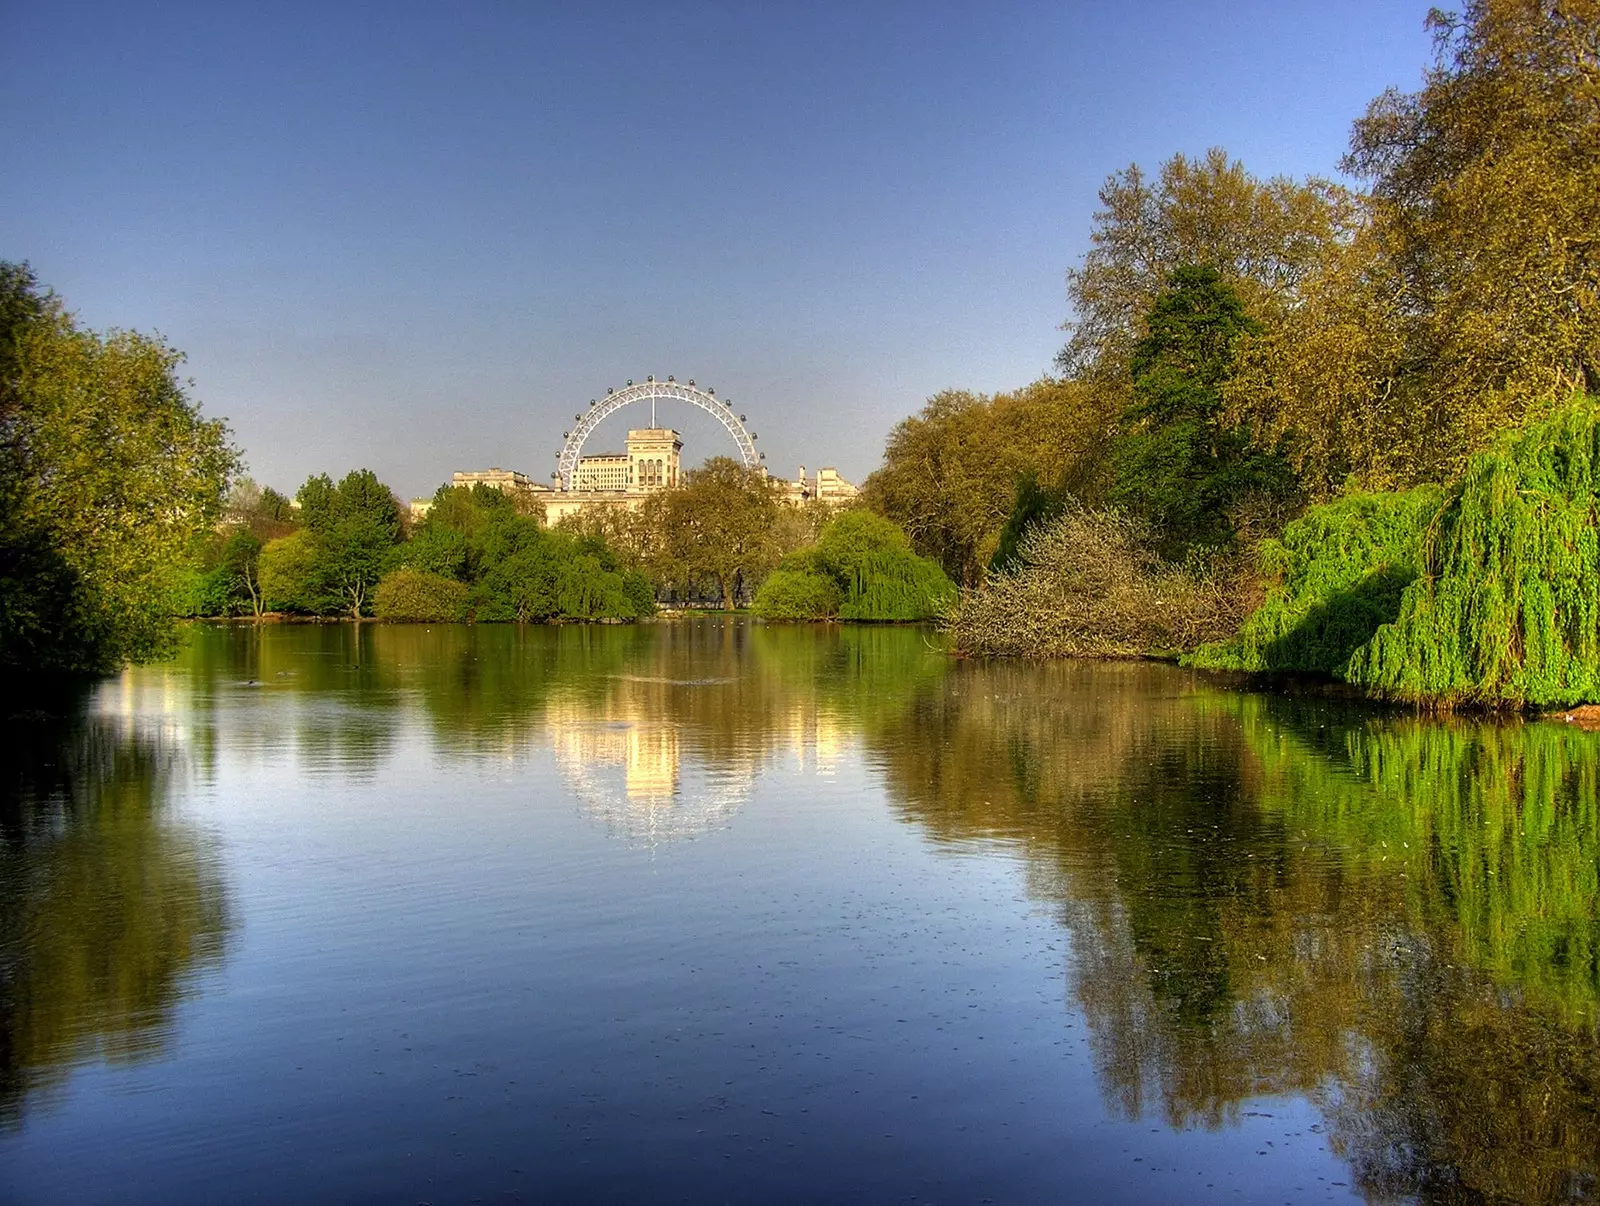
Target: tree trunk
<point>726,583</point>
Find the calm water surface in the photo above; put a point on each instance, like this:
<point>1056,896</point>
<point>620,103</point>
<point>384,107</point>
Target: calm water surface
<point>715,912</point>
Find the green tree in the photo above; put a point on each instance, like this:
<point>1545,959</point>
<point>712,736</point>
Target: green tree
<point>861,568</point>
<point>1178,462</point>
<point>416,596</point>
<point>1265,237</point>
<point>241,560</point>
<point>720,525</point>
<point>287,570</point>
<point>354,527</point>
<point>1033,505</point>
<point>110,476</point>
<point>1472,293</point>
<point>948,472</point>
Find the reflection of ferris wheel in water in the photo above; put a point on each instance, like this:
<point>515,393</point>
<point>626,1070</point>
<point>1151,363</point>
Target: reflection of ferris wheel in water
<point>653,391</point>
<point>629,777</point>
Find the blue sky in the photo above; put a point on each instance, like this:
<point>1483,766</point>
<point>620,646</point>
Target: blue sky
<point>418,238</point>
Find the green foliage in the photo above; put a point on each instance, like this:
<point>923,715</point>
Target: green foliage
<point>639,591</point>
<point>531,574</point>
<point>1483,595</point>
<point>436,548</point>
<point>1506,612</point>
<point>418,597</point>
<point>797,592</point>
<point>861,568</point>
<point>289,576</point>
<point>1177,462</point>
<point>354,527</point>
<point>1034,504</point>
<point>1337,574</point>
<point>721,525</point>
<point>1469,293</point>
<point>202,592</point>
<point>1265,235</point>
<point>948,472</point>
<point>108,478</point>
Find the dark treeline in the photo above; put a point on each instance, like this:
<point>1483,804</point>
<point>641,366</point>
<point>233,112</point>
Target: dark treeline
<point>1245,351</point>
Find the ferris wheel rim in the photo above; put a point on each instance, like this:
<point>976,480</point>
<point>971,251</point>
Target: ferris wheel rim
<point>601,409</point>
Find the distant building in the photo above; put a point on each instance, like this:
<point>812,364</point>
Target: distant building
<point>830,487</point>
<point>827,486</point>
<point>603,471</point>
<point>653,461</point>
<point>508,480</point>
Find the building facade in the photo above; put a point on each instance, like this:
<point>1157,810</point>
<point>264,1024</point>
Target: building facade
<point>603,471</point>
<point>653,461</point>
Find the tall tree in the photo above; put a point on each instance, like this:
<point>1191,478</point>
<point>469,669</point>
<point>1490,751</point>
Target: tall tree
<point>949,472</point>
<point>1178,462</point>
<point>721,524</point>
<point>354,527</point>
<point>108,476</point>
<point>1265,237</point>
<point>1473,292</point>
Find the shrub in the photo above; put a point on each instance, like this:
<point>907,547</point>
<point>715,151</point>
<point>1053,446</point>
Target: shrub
<point>418,597</point>
<point>1506,610</point>
<point>1088,586</point>
<point>203,592</point>
<point>288,574</point>
<point>896,584</point>
<point>861,568</point>
<point>640,592</point>
<point>797,592</point>
<point>586,590</point>
<point>1337,574</point>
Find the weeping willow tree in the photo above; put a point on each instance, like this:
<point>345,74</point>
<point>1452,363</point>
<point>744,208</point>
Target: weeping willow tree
<point>861,568</point>
<point>1506,609</point>
<point>1337,573</point>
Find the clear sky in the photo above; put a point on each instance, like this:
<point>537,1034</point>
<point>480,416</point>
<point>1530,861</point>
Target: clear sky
<point>419,237</point>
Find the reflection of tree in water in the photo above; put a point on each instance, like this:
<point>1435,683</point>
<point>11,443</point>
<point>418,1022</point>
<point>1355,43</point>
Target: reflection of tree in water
<point>660,729</point>
<point>327,695</point>
<point>108,910</point>
<point>1396,918</point>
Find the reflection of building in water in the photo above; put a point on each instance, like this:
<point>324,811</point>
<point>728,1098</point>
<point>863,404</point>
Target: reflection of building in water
<point>625,764</point>
<point>815,739</point>
<point>659,757</point>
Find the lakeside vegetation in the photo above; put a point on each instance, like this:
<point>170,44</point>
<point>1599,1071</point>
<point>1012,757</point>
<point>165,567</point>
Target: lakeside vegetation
<point>1297,427</point>
<point>1302,427</point>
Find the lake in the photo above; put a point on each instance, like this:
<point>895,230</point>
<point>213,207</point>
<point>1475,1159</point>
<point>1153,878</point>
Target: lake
<point>714,911</point>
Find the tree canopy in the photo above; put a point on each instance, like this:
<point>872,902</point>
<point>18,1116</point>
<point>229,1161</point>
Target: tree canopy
<point>949,472</point>
<point>722,524</point>
<point>1177,462</point>
<point>1472,291</point>
<point>108,476</point>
